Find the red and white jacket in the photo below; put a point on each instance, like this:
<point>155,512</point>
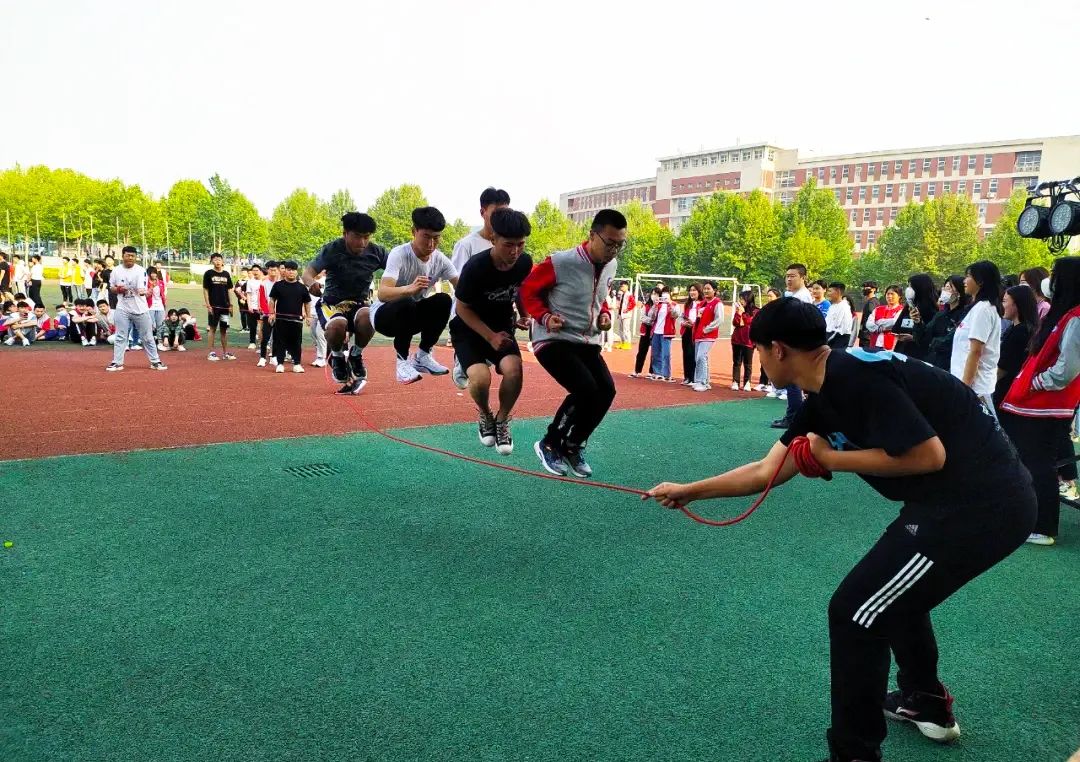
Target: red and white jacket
<point>627,304</point>
<point>664,311</point>
<point>880,325</point>
<point>710,315</point>
<point>567,284</point>
<point>161,287</point>
<point>1028,395</point>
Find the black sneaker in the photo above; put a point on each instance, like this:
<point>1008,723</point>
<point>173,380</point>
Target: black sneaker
<point>575,461</point>
<point>931,714</point>
<point>782,423</point>
<point>339,368</point>
<point>486,428</point>
<point>550,458</point>
<point>504,443</point>
<point>356,363</point>
<point>353,387</point>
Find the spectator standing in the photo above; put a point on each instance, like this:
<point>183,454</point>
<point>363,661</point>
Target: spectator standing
<point>870,303</point>
<point>691,313</point>
<point>742,349</point>
<point>1018,306</point>
<point>920,298</point>
<point>795,281</point>
<point>839,320</point>
<point>977,341</point>
<point>37,275</point>
<point>882,320</point>
<point>128,282</point>
<point>217,288</point>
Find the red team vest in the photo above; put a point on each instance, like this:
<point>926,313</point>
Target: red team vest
<point>706,315</point>
<point>1024,400</point>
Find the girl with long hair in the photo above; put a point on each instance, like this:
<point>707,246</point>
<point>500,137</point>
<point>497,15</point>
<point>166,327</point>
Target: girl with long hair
<point>883,319</point>
<point>742,349</point>
<point>977,341</point>
<point>1034,277</point>
<point>1018,305</point>
<point>920,298</point>
<point>691,313</point>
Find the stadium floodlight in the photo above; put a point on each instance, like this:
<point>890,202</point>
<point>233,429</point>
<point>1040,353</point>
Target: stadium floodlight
<point>1034,221</point>
<point>1064,218</point>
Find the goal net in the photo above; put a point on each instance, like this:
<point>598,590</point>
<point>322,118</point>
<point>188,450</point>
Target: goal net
<point>727,289</point>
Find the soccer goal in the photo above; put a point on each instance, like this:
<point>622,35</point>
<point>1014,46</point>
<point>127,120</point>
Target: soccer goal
<point>726,288</point>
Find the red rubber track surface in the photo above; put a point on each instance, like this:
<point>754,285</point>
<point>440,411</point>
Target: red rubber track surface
<point>73,406</point>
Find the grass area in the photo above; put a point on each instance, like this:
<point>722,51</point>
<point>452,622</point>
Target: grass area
<point>207,604</point>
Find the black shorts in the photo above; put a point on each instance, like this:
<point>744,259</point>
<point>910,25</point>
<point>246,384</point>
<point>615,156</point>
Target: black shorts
<point>345,310</point>
<point>215,318</point>
<point>471,349</point>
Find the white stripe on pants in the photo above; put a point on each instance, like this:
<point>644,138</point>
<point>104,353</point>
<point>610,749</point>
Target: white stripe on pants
<point>893,589</point>
<point>701,360</point>
<point>124,322</point>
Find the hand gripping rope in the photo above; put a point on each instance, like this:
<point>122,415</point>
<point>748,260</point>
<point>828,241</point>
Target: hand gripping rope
<point>799,450</point>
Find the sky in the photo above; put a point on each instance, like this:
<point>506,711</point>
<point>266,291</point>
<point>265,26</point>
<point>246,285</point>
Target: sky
<point>535,97</point>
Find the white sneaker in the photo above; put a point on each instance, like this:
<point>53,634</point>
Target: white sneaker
<point>85,343</point>
<point>279,369</point>
<point>93,342</point>
<point>26,342</point>
<point>180,348</point>
<point>162,348</point>
<point>1040,539</point>
<point>735,387</point>
<point>213,357</point>
<point>318,363</point>
<point>10,341</point>
<point>699,388</point>
<point>406,373</point>
<point>746,386</point>
<point>770,390</point>
<point>426,363</point>
<point>273,361</point>
<point>261,363</point>
<point>1068,491</point>
<point>251,346</point>
<point>782,396</point>
<point>461,381</point>
<point>298,368</point>
<point>759,388</point>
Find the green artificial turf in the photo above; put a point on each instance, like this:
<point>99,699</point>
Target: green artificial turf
<point>205,604</point>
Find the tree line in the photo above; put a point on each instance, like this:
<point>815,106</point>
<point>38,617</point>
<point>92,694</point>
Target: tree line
<point>749,237</point>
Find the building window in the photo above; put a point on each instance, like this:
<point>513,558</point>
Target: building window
<point>941,164</point>
<point>1028,161</point>
<point>694,162</point>
<point>850,192</point>
<point>884,167</point>
<point>931,190</point>
<point>685,163</point>
<point>772,154</point>
<point>926,165</point>
<point>988,161</point>
<point>844,172</point>
<point>866,215</point>
<point>880,214</point>
<point>956,164</point>
<point>894,213</point>
<point>746,156</point>
<point>723,158</point>
<point>946,188</point>
<point>977,187</point>
<point>832,174</point>
<point>759,153</point>
<point>862,194</point>
<point>918,190</point>
<point>993,186</point>
<point>712,159</point>
<point>888,189</point>
<point>898,166</point>
<point>961,187</point>
<point>982,212</point>
<point>853,213</point>
<point>911,167</point>
<point>1025,182</point>
<point>870,238</point>
<point>971,162</point>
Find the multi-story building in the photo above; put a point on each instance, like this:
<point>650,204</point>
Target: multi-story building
<point>871,187</point>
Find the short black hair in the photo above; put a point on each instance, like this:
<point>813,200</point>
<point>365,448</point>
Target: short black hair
<point>798,267</point>
<point>608,218</point>
<point>183,311</point>
<point>798,324</point>
<point>510,223</point>
<point>289,264</point>
<point>258,267</point>
<point>870,284</point>
<point>709,283</point>
<point>8,304</point>
<point>22,304</point>
<point>126,249</point>
<point>20,295</point>
<point>172,312</point>
<point>216,255</point>
<point>820,282</point>
<point>61,306</point>
<point>838,286</point>
<point>358,222</point>
<point>494,196</point>
<point>36,256</point>
<point>99,303</point>
<point>272,263</point>
<point>428,218</point>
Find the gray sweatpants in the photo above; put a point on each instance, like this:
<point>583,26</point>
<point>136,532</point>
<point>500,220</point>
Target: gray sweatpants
<point>124,322</point>
<point>319,335</point>
<point>701,361</point>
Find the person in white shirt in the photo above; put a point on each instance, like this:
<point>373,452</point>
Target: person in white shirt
<point>839,321</point>
<point>977,339</point>
<point>129,283</point>
<point>468,247</point>
<point>406,305</point>
<point>37,275</point>
<point>318,335</point>
<point>251,295</point>
<point>795,281</point>
<point>20,281</point>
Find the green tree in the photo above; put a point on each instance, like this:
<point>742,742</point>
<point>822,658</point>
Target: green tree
<point>341,202</point>
<point>552,231</point>
<point>185,207</point>
<point>300,225</point>
<point>729,235</point>
<point>393,210</point>
<point>816,223</point>
<point>650,247</point>
<point>1004,246</point>
<point>939,237</point>
<point>452,233</point>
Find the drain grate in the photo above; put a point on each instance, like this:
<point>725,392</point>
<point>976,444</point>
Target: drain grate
<point>312,470</point>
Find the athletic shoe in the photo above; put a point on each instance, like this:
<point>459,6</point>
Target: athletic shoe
<point>486,428</point>
<point>213,357</point>
<point>279,368</point>
<point>746,386</point>
<point>353,387</point>
<point>699,388</point>
<point>339,368</point>
<point>93,342</point>
<point>550,458</point>
<point>10,341</point>
<point>318,363</point>
<point>782,396</point>
<point>425,363</point>
<point>85,343</point>
<point>503,442</point>
<point>770,391</point>
<point>298,368</point>
<point>158,366</point>
<point>1039,539</point>
<point>461,381</point>
<point>230,356</point>
<point>251,346</point>
<point>575,461</point>
<point>406,372</point>
<point>134,347</point>
<point>26,342</point>
<point>633,375</point>
<point>356,365</point>
<point>931,714</point>
<point>114,367</point>
<point>782,423</point>
<point>759,388</point>
<point>163,348</point>
<point>734,387</point>
<point>273,361</point>
<point>180,348</point>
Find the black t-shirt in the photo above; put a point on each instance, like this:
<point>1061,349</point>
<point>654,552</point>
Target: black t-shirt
<point>219,284</point>
<point>1013,353</point>
<point>491,292</point>
<point>241,291</point>
<point>348,276</point>
<point>873,400</point>
<point>106,274</point>
<point>291,298</point>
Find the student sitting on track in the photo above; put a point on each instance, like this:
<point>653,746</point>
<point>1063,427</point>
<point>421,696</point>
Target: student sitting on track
<point>891,421</point>
<point>106,323</point>
<point>22,327</point>
<point>171,333</point>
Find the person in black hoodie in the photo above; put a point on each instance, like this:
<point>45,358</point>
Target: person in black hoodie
<point>935,337</point>
<point>921,298</point>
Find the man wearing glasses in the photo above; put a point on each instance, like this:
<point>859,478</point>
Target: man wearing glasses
<point>566,297</point>
<point>405,305</point>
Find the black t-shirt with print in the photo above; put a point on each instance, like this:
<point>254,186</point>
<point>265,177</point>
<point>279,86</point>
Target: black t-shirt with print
<point>348,276</point>
<point>291,298</point>
<point>491,292</point>
<point>219,284</point>
<point>886,400</point>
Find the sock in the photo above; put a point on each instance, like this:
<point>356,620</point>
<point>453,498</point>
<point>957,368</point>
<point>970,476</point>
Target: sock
<point>337,353</point>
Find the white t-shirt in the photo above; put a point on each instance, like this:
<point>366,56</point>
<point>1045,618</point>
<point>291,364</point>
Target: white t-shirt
<point>37,272</point>
<point>404,267</point>
<point>156,304</point>
<point>464,250</point>
<point>839,320</point>
<point>803,295</point>
<point>251,293</point>
<point>132,279</point>
<point>984,324</point>
<point>88,276</point>
<point>20,273</point>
